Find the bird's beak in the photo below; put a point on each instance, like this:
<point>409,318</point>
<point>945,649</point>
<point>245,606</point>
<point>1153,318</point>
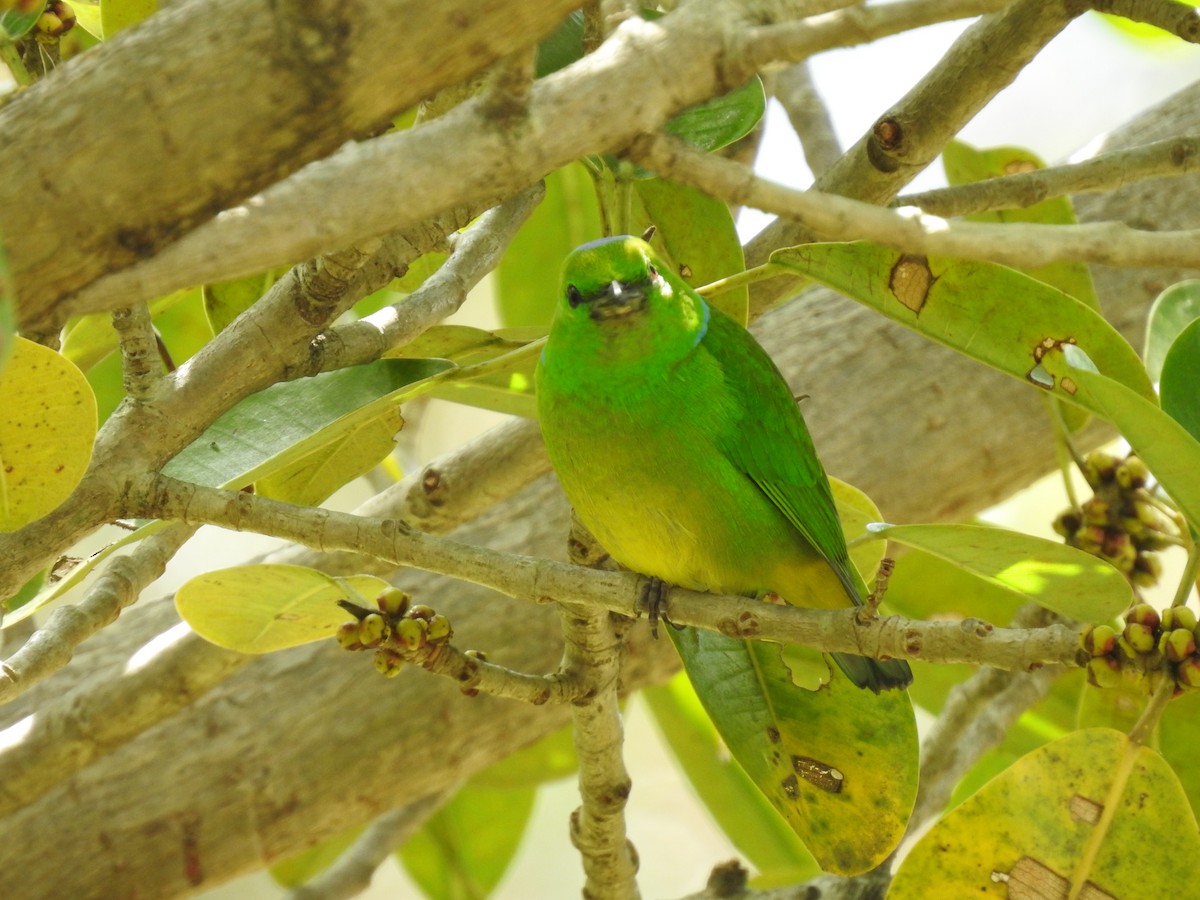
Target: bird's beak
<point>617,301</point>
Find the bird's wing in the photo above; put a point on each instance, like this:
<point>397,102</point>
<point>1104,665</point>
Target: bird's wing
<point>772,446</point>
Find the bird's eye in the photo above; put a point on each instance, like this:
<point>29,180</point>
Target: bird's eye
<point>573,296</point>
<point>653,272</point>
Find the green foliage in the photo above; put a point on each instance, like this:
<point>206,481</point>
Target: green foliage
<point>991,313</point>
<point>464,849</point>
<point>263,434</point>
<point>117,15</point>
<point>739,807</point>
<point>839,763</point>
<point>1027,569</point>
<point>1173,310</point>
<point>1180,384</point>
<point>527,278</point>
<point>965,164</point>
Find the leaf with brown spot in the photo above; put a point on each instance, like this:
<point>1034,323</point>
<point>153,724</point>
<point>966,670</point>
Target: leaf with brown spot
<point>46,433</point>
<point>991,313</point>
<point>1021,834</point>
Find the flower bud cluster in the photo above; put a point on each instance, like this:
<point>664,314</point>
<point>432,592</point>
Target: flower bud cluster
<point>1121,523</point>
<point>399,632</point>
<point>1149,649</point>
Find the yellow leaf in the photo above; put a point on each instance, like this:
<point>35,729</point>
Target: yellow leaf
<point>261,608</point>
<point>47,430</point>
<point>1091,815</point>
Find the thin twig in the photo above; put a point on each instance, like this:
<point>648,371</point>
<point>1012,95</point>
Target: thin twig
<point>141,366</point>
<point>51,646</point>
<point>476,253</point>
<point>831,217</point>
<point>796,92</point>
<point>592,658</point>
<point>351,874</point>
<point>970,640</point>
<point>1106,172</point>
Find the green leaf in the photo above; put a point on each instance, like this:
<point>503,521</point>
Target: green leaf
<point>356,451</point>
<point>224,301</point>
<point>26,593</point>
<point>1179,387</point>
<point>734,801</point>
<point>988,312</point>
<point>1061,578</point>
<point>1164,445</point>
<point>965,164</point>
<point>116,15</point>
<point>1149,38</point>
<point>1173,310</point>
<point>1178,738</point>
<point>283,423</point>
<point>308,864</point>
<point>856,511</point>
<point>46,433</point>
<point>15,24</point>
<point>87,17</point>
<point>263,608</point>
<point>464,849</point>
<point>722,120</point>
<point>509,392</point>
<point>839,763</point>
<point>1069,814</point>
<point>549,759</point>
<point>465,345</point>
<point>527,279</point>
<point>563,47</point>
<point>696,233</point>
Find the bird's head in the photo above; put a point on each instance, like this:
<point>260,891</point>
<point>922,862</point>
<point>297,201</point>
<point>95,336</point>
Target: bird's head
<point>622,300</point>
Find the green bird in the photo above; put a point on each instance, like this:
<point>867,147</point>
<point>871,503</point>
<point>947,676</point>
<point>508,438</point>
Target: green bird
<point>682,448</point>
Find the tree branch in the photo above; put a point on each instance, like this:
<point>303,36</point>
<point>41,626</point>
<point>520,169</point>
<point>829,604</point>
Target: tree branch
<point>351,874</point>
<point>395,180</point>
<point>1104,172</point>
<point>50,647</point>
<point>794,89</point>
<point>970,640</point>
<point>293,81</point>
<point>831,217</point>
<point>907,138</point>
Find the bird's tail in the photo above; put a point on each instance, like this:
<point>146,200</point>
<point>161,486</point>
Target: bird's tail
<point>876,674</point>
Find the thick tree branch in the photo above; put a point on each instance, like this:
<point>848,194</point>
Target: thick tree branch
<point>464,156</point>
<point>214,114</point>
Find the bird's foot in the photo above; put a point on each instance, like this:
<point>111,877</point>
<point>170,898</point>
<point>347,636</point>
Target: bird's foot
<point>654,600</point>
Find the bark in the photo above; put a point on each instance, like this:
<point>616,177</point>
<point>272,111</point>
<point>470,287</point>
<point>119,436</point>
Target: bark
<point>216,99</point>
